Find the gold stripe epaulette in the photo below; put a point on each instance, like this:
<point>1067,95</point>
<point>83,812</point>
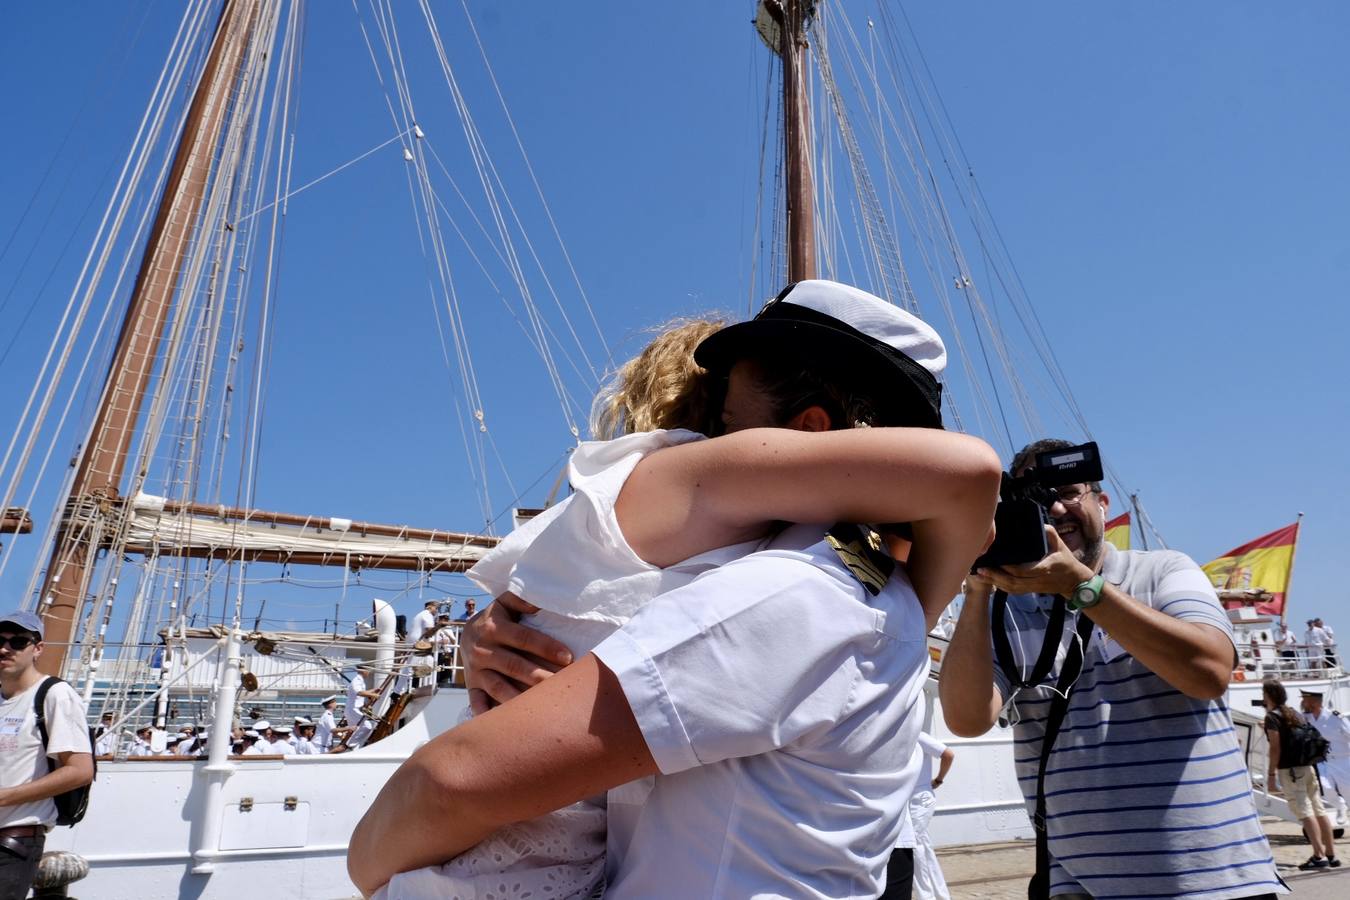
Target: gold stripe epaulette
<point>860,549</point>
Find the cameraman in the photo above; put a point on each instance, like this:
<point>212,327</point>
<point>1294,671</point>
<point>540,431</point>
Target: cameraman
<point>1146,758</point>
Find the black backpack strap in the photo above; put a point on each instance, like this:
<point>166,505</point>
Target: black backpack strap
<point>1003,647</point>
<point>40,714</point>
<point>1039,889</point>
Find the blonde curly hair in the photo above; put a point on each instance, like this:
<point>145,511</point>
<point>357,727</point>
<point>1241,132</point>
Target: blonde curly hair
<point>661,387</point>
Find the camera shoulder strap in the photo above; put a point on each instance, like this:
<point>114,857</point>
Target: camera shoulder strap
<point>1003,647</point>
<point>1039,888</point>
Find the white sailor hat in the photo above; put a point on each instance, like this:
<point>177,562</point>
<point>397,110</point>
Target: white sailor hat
<point>262,725</point>
<point>251,734</point>
<point>282,729</point>
<point>301,720</point>
<point>889,355</point>
<point>330,698</point>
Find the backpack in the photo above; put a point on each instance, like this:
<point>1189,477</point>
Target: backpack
<point>1306,746</point>
<point>70,806</point>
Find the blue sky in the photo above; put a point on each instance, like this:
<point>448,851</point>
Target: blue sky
<point>1169,179</point>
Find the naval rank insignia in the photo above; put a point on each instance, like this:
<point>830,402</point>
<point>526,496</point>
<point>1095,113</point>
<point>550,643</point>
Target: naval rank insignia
<point>860,549</point>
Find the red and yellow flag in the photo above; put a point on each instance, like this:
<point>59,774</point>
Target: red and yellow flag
<point>1264,563</point>
<point>1118,532</point>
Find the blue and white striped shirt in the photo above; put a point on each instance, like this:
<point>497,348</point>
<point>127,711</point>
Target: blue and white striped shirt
<point>1147,792</point>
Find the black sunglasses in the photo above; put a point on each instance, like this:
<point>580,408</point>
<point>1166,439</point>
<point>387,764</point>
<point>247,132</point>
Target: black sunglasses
<point>17,641</point>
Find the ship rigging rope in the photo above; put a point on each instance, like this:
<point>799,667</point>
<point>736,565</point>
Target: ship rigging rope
<point>32,420</point>
<point>539,190</point>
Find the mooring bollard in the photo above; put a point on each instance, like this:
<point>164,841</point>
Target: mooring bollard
<point>56,872</point>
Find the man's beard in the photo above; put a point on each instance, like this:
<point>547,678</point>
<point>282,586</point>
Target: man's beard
<point>1092,553</point>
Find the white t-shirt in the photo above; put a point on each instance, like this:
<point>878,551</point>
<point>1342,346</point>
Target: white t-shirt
<point>422,623</point>
<point>21,757</point>
<point>782,703</point>
<point>285,748</point>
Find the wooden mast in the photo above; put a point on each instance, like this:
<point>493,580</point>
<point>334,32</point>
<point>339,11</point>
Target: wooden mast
<point>801,233</point>
<point>103,461</point>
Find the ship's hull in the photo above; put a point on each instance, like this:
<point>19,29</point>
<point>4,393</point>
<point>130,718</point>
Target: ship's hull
<point>287,822</point>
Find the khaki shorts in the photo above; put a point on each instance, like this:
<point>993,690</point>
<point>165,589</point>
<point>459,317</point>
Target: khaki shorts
<point>1302,791</point>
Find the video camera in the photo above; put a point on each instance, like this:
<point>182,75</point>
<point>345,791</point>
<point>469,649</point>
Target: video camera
<point>1024,503</point>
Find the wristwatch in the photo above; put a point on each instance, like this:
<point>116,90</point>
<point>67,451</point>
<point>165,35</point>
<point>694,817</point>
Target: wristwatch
<point>1087,594</point>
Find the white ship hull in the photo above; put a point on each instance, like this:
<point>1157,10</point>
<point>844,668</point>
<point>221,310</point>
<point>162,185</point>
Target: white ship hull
<point>285,823</point>
<point>288,821</point>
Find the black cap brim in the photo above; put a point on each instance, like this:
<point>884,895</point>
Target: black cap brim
<point>899,389</point>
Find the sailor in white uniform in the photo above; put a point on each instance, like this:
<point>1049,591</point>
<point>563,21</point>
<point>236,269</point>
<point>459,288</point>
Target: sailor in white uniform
<point>424,621</point>
<point>323,734</point>
<point>142,745</point>
<point>106,742</point>
<point>354,712</point>
<point>297,724</point>
<point>304,741</point>
<point>281,741</point>
<point>1335,771</point>
<point>253,745</point>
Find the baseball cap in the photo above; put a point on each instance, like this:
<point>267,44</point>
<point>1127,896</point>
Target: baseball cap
<point>890,355</point>
<point>24,620</point>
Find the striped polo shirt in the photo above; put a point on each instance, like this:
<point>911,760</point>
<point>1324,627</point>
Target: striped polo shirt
<point>1147,792</point>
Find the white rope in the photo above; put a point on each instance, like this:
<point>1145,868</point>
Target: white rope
<point>327,175</point>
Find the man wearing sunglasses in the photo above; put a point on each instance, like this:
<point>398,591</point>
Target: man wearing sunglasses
<point>26,785</point>
<point>1142,755</point>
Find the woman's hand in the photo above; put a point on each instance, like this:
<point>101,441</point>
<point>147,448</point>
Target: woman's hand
<point>501,657</point>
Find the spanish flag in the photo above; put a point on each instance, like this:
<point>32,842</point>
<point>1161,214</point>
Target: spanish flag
<point>1264,563</point>
<point>1118,532</point>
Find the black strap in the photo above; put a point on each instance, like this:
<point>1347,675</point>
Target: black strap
<point>1003,648</point>
<point>40,714</point>
<point>1039,888</point>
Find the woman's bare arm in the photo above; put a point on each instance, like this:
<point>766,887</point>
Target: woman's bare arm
<point>570,737</point>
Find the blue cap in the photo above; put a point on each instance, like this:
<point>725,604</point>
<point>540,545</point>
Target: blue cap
<point>25,620</point>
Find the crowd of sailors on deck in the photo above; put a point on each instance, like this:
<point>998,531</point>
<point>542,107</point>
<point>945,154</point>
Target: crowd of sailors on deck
<point>328,732</point>
<point>303,737</point>
<point>1284,653</point>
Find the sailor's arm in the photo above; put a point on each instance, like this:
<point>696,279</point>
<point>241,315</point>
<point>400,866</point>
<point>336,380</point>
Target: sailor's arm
<point>970,698</point>
<point>73,770</point>
<point>571,737</point>
<point>944,766</point>
<point>695,497</point>
<point>1193,657</point>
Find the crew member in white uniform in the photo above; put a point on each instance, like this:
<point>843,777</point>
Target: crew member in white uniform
<point>354,712</point>
<point>281,741</point>
<point>304,741</point>
<point>323,735</point>
<point>253,744</point>
<point>1335,771</point>
<point>141,747</point>
<point>423,622</point>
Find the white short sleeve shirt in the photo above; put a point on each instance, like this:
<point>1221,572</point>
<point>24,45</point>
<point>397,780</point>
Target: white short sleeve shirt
<point>21,756</point>
<point>781,702</point>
